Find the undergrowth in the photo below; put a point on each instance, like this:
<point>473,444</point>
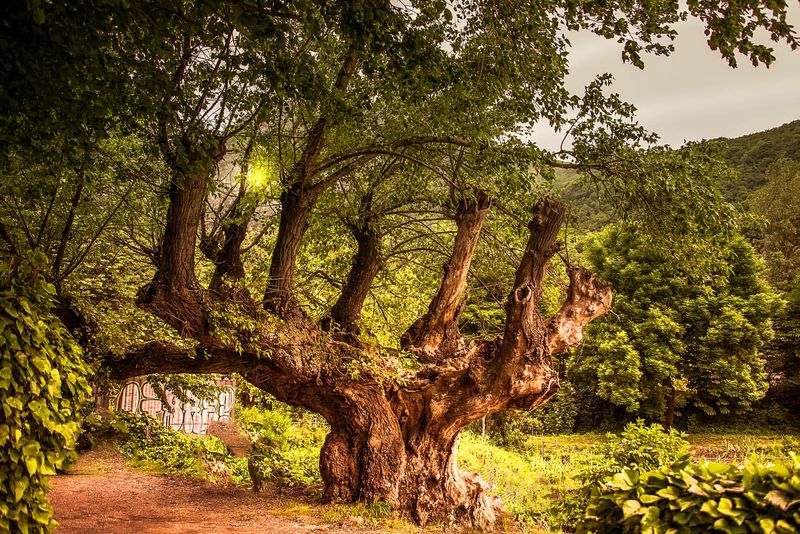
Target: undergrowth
<point>546,483</point>
<point>156,448</point>
<point>284,451</point>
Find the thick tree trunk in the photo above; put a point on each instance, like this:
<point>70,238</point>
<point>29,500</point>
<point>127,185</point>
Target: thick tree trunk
<point>175,294</point>
<point>296,204</point>
<point>391,440</point>
<point>295,211</point>
<point>228,260</point>
<point>371,454</point>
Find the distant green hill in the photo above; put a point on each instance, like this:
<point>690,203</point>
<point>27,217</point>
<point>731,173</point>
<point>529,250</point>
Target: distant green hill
<point>750,155</point>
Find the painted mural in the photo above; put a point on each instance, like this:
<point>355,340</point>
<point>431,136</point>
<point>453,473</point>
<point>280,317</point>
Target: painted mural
<point>193,417</point>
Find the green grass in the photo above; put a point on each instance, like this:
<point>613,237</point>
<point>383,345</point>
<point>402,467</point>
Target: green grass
<point>528,482</point>
<point>734,448</point>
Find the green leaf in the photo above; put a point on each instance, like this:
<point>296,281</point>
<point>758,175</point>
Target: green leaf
<point>649,499</point>
<point>630,508</point>
<point>670,492</point>
<point>31,464</point>
<point>41,515</point>
<point>20,485</point>
<point>710,508</point>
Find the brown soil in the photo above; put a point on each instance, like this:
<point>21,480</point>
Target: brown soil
<point>101,494</point>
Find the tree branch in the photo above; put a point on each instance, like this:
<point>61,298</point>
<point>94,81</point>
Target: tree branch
<point>587,299</point>
<point>436,334</point>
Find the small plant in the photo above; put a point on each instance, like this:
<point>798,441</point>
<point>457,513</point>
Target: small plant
<point>637,447</point>
<point>284,452</point>
<point>148,442</point>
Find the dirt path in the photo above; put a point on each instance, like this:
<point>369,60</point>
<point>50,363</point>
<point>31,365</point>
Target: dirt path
<point>102,494</point>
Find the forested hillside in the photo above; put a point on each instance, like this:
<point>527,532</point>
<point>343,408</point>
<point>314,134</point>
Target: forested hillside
<point>751,155</point>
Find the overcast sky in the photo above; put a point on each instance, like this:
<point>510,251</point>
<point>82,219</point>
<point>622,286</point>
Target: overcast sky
<point>693,94</point>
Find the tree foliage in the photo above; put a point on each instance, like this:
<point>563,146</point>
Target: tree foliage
<point>673,339</point>
<point>293,161</point>
<point>778,206</point>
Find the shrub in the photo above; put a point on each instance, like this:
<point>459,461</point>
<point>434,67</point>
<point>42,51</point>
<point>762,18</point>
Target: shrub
<point>637,448</point>
<point>690,498</point>
<point>284,452</point>
<point>146,440</point>
<point>42,387</point>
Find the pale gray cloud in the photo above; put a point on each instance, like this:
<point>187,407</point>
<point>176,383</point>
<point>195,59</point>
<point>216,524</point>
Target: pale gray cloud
<point>693,94</point>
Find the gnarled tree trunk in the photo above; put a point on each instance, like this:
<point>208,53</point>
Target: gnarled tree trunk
<point>391,440</point>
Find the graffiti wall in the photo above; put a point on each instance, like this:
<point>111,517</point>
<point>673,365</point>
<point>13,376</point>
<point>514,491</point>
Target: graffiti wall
<point>193,417</point>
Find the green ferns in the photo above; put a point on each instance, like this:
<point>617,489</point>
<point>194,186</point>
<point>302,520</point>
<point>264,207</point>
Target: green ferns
<point>42,387</point>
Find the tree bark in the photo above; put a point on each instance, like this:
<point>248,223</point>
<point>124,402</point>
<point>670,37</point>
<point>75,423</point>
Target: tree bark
<point>295,211</point>
<point>297,202</point>
<point>436,334</point>
<point>175,293</point>
<point>346,312</point>
<point>227,255</point>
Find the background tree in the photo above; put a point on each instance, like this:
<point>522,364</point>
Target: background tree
<point>675,342</point>
<point>778,239</point>
<point>779,207</point>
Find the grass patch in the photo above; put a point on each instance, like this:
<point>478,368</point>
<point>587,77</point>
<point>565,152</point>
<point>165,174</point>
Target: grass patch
<point>292,510</point>
<point>375,515</point>
<point>527,481</point>
<point>735,448</point>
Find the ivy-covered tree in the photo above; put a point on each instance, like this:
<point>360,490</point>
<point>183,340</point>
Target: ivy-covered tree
<point>675,341</point>
<point>332,95</point>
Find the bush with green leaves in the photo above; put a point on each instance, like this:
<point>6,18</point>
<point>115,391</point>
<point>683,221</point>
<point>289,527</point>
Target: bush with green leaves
<point>638,447</point>
<point>684,497</point>
<point>148,441</point>
<point>42,388</point>
<point>285,451</point>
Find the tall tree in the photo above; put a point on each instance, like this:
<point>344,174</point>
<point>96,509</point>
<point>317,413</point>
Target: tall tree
<point>677,341</point>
